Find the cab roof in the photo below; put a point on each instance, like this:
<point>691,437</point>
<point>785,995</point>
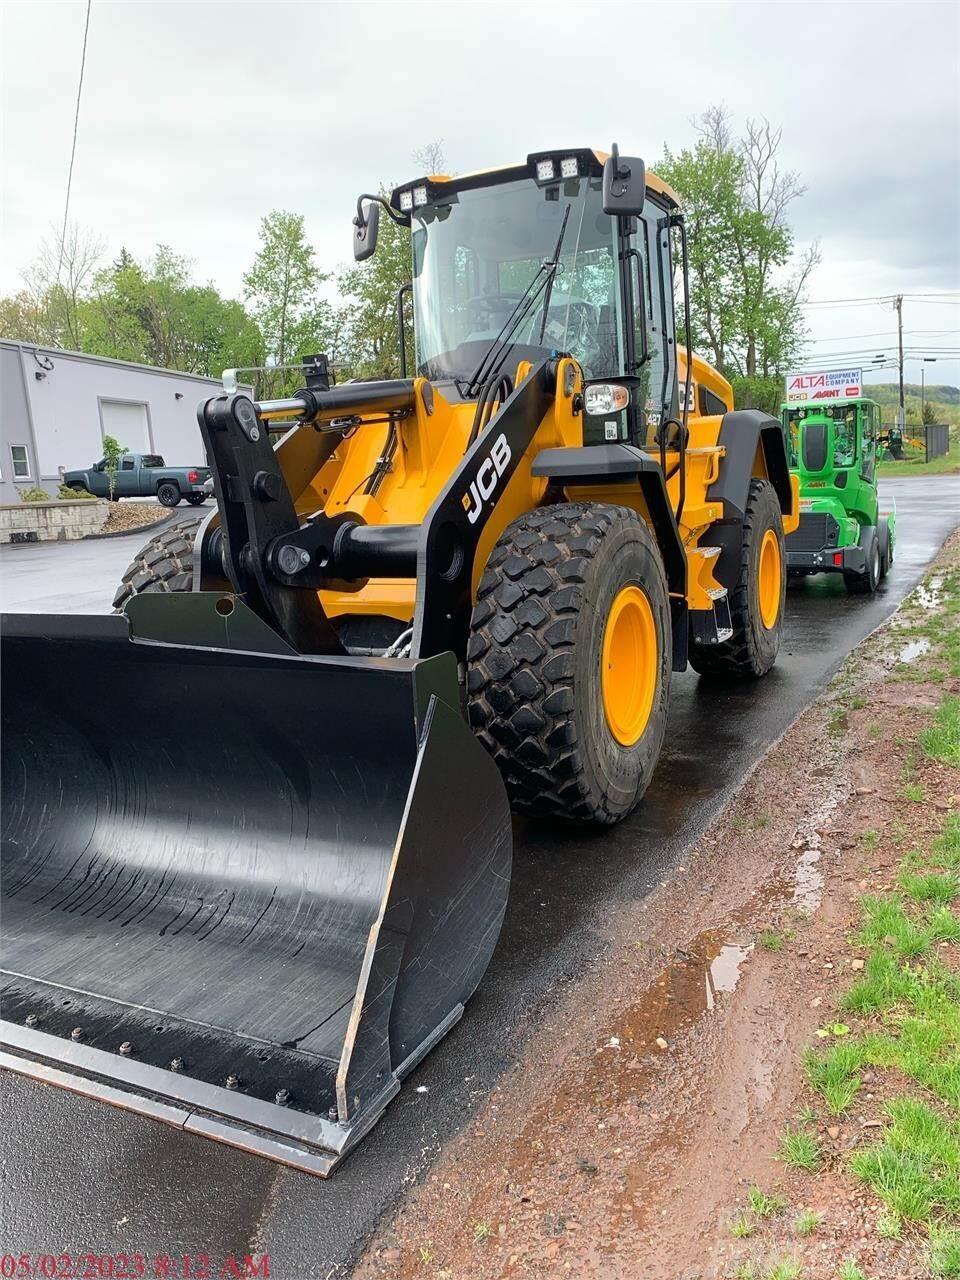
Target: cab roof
<point>590,162</point>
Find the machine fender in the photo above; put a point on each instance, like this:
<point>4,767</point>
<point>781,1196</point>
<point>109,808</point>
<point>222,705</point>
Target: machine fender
<point>453,525</point>
<point>614,464</point>
<point>740,433</point>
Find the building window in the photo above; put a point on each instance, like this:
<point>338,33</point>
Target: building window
<point>21,461</point>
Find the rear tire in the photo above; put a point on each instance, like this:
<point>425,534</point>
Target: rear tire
<point>570,658</point>
<point>756,601</point>
<point>865,584</point>
<point>196,499</point>
<point>886,550</point>
<point>168,495</point>
<point>165,563</point>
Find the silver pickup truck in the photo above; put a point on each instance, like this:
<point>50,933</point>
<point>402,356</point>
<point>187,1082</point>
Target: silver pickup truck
<point>142,475</point>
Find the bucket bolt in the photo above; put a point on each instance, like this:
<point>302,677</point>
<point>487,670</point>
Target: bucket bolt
<point>76,1033</point>
<point>176,1064</point>
<point>31,1019</point>
<point>333,1114</point>
<point>232,1082</point>
<point>126,1048</point>
<point>282,1097</point>
<point>291,559</point>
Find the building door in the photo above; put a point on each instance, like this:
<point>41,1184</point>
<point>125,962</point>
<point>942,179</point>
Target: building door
<point>128,423</point>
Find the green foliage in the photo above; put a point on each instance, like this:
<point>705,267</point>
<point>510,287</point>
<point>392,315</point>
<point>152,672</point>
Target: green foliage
<point>764,1206</point>
<point>799,1150</point>
<point>283,289</point>
<point>941,740</point>
<point>369,338</point>
<point>741,1227</point>
<point>807,1222</point>
<point>72,495</point>
<point>113,451</point>
<point>785,1269</point>
<point>849,1270</point>
<point>34,494</point>
<point>745,284</point>
<point>943,1253</point>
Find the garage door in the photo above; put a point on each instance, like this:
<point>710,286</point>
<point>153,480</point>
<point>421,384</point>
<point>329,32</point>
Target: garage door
<point>127,423</point>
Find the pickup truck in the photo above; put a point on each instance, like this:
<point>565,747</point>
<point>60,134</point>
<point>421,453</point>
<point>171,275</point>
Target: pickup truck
<point>142,475</point>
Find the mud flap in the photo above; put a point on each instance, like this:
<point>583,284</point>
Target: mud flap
<point>243,892</point>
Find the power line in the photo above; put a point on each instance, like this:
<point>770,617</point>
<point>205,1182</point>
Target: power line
<point>73,145</point>
<point>884,333</point>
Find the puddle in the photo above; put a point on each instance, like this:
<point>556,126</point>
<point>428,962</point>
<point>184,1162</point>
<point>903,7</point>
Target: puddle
<point>910,652</point>
<point>930,594</point>
<point>808,879</point>
<point>723,972</point>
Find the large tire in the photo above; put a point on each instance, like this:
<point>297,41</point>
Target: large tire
<point>752,649</point>
<point>569,660</point>
<point>165,563</point>
<point>168,494</point>
<point>866,583</point>
<point>196,499</point>
<point>886,549</point>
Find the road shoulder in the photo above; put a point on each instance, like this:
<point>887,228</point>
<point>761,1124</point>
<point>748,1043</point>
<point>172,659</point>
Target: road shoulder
<point>644,1131</point>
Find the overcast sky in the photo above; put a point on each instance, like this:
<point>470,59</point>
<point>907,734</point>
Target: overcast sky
<point>197,118</point>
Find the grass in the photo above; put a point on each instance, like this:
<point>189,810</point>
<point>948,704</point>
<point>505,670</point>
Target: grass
<point>943,1254</point>
<point>941,740</point>
<point>849,1271</point>
<point>741,1227</point>
<point>764,1206</point>
<point>771,940</point>
<point>481,1231</point>
<point>799,1149</point>
<point>806,1223</point>
<point>785,1269</point>
<point>945,465</point>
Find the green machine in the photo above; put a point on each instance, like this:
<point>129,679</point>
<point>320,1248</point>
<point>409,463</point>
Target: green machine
<point>834,449</point>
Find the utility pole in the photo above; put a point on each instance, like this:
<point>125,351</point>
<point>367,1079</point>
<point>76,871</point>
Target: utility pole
<point>898,303</point>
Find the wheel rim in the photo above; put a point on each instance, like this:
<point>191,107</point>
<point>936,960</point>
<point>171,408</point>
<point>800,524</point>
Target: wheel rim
<point>769,579</point>
<point>629,663</point>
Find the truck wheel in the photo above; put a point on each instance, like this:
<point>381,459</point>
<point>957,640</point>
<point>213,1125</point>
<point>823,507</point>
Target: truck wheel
<point>865,584</point>
<point>196,499</point>
<point>569,660</point>
<point>756,600</point>
<point>886,550</point>
<point>165,563</point>
<point>168,495</point>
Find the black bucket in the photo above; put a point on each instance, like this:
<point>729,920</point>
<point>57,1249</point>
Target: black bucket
<point>244,892</point>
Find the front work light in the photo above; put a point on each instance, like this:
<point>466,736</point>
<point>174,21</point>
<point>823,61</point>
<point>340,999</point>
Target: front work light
<point>546,171</point>
<point>406,201</point>
<point>419,196</point>
<point>605,397</point>
<point>569,167</point>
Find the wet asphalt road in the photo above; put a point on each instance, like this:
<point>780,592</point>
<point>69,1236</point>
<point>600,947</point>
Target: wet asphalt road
<point>79,1176</point>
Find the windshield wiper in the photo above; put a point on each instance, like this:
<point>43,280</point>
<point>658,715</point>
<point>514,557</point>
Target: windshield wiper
<point>496,353</point>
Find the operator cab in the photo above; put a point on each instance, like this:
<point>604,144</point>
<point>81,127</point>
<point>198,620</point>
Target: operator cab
<point>538,260</point>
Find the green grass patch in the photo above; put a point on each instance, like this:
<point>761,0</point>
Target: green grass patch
<point>943,1253</point>
<point>941,740</point>
<point>849,1271</point>
<point>785,1269</point>
<point>799,1149</point>
<point>762,1205</point>
<point>806,1223</point>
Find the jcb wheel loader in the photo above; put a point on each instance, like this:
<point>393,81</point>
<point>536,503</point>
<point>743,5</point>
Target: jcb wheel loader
<point>256,877</point>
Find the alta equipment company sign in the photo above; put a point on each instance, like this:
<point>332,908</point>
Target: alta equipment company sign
<point>829,384</point>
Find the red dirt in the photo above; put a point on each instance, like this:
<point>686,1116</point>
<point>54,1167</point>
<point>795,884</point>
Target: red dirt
<point>625,1141</point>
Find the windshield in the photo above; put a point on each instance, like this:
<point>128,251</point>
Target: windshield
<point>844,419</point>
<point>476,252</point>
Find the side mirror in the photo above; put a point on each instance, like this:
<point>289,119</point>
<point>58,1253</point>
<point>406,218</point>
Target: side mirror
<point>365,227</point>
<point>624,184</point>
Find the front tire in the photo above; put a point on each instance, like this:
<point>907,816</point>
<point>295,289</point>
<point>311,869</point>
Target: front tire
<point>196,499</point>
<point>569,660</point>
<point>757,597</point>
<point>168,495</point>
<point>165,563</point>
<point>866,583</point>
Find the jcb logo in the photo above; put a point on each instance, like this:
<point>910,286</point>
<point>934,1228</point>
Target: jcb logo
<point>487,478</point>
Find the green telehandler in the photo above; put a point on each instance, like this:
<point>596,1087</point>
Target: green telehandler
<point>833,449</point>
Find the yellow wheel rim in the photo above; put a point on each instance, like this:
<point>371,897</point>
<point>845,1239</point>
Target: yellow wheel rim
<point>769,578</point>
<point>628,670</point>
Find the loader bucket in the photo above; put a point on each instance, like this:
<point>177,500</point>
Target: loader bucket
<point>242,892</point>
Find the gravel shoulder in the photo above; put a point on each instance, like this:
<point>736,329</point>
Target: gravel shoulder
<point>626,1141</point>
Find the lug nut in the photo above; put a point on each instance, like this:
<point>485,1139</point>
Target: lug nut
<point>232,1082</point>
<point>31,1019</point>
<point>126,1048</point>
<point>76,1033</point>
<point>176,1064</point>
<point>333,1114</point>
<point>282,1098</point>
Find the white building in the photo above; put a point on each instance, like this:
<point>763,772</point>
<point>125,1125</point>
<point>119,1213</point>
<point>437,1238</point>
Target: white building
<point>56,407</point>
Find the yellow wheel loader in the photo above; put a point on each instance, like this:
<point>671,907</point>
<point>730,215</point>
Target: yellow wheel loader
<point>256,827</point>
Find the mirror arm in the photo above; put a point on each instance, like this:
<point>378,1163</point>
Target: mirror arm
<point>360,220</point>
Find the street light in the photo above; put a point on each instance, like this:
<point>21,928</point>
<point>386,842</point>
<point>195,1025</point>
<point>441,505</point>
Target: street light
<point>924,360</point>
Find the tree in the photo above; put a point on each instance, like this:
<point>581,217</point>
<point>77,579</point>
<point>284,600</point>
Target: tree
<point>929,414</point>
<point>113,451</point>
<point>745,281</point>
<point>283,288</point>
<point>57,282</point>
